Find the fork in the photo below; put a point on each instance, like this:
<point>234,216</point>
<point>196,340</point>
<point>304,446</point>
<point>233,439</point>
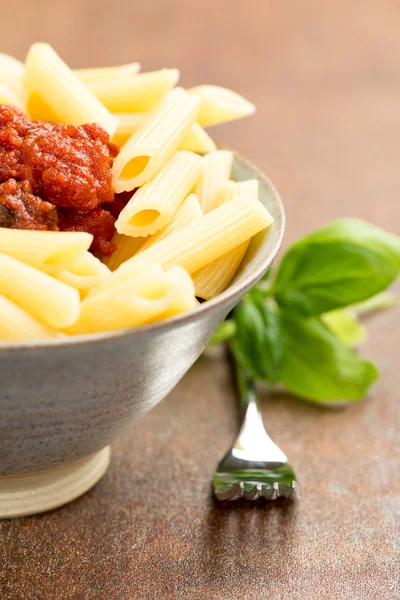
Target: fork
<point>255,467</point>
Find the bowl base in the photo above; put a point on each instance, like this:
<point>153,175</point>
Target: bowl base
<point>22,495</point>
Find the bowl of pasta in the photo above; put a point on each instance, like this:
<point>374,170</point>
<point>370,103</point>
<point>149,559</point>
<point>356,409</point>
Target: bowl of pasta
<point>126,237</point>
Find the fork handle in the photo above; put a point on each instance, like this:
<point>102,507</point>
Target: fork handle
<point>252,431</point>
<point>245,383</point>
<point>246,387</point>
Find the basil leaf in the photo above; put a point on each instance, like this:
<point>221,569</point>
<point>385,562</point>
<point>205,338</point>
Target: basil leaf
<point>378,302</point>
<point>318,366</point>
<point>345,325</point>
<point>341,264</point>
<point>267,274</point>
<point>258,342</point>
<point>225,332</point>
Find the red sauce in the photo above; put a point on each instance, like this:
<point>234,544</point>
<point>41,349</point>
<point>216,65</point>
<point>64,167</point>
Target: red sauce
<point>65,166</point>
<point>20,209</point>
<point>97,221</point>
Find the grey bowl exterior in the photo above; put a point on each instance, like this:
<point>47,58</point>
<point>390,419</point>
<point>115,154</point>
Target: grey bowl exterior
<point>66,399</point>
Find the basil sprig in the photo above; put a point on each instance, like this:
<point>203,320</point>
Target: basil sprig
<point>259,341</point>
<point>298,328</point>
<point>341,264</point>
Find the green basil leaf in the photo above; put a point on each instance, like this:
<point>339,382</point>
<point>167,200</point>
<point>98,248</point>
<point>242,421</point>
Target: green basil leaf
<point>267,274</point>
<point>225,332</point>
<point>258,342</point>
<point>379,302</point>
<point>345,325</point>
<point>318,366</point>
<point>341,264</point>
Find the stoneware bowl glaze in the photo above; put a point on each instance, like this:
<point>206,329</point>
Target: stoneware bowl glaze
<point>62,403</point>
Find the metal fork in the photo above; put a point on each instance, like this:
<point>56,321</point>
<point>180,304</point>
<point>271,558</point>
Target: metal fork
<point>254,467</point>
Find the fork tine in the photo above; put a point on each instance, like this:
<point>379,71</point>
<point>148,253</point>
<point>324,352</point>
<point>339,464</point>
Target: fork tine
<point>234,493</point>
<point>273,493</point>
<point>254,493</point>
<point>294,492</point>
<point>237,491</point>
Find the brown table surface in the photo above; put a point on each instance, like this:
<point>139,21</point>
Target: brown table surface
<point>326,79</point>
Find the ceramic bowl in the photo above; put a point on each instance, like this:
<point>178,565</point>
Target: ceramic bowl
<point>62,403</point>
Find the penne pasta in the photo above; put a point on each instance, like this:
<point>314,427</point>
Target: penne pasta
<point>128,123</point>
<point>154,143</point>
<point>89,265</point>
<point>138,93</point>
<point>187,213</point>
<point>85,274</point>
<point>141,298</point>
<point>126,248</point>
<point>156,202</point>
<point>135,269</point>
<point>18,325</point>
<point>219,105</point>
<point>50,251</point>
<point>50,301</point>
<point>11,75</point>
<point>107,74</point>
<point>8,96</point>
<point>232,190</point>
<point>214,277</point>
<point>197,140</point>
<point>217,170</point>
<point>10,66</point>
<point>62,90</point>
<point>39,110</point>
<point>208,238</point>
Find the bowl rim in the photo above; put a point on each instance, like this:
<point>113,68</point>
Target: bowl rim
<point>237,289</point>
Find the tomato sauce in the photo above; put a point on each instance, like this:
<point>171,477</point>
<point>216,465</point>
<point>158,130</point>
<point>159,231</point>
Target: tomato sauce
<point>97,221</point>
<point>20,209</point>
<point>57,176</point>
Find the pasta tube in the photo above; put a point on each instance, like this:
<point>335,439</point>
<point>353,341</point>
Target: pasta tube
<point>217,170</point>
<point>155,203</point>
<point>208,238</point>
<point>219,105</point>
<point>50,251</point>
<point>50,301</point>
<point>214,277</point>
<point>197,140</point>
<point>155,141</point>
<point>135,269</point>
<point>138,93</point>
<point>187,213</point>
<point>17,325</point>
<point>63,91</point>
<point>128,123</point>
<point>85,274</point>
<point>39,110</point>
<point>8,96</point>
<point>107,74</point>
<point>140,299</point>
<point>12,74</point>
<point>126,248</point>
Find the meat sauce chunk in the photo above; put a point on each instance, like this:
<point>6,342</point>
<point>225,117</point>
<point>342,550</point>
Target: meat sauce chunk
<point>20,209</point>
<point>66,165</point>
<point>55,176</point>
<point>98,222</point>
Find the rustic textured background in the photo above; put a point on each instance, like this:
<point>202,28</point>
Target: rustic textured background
<point>326,79</point>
